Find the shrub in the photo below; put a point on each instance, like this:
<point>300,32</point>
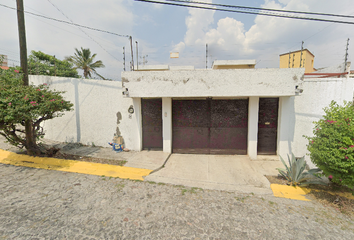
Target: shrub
<point>295,173</point>
<point>332,146</point>
<point>24,108</point>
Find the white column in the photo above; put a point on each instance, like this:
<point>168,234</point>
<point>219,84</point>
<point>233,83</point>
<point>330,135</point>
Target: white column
<point>167,124</point>
<point>286,125</point>
<point>253,107</point>
<point>138,114</point>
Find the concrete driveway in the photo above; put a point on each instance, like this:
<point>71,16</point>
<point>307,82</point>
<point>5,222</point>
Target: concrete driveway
<point>217,172</point>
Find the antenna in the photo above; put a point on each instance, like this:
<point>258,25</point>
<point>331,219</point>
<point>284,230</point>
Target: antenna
<point>131,50</point>
<point>302,47</point>
<point>137,58</point>
<point>123,58</point>
<point>346,55</point>
<point>206,57</point>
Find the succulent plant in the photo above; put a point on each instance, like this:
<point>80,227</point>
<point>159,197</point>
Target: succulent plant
<point>296,175</point>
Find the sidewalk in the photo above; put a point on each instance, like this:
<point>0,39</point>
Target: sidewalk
<point>138,166</point>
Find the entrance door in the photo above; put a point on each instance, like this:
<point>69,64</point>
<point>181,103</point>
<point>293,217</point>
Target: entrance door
<point>267,126</point>
<point>152,123</point>
<point>209,126</point>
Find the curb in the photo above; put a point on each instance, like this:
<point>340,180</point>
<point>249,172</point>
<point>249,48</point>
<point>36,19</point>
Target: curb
<point>98,169</point>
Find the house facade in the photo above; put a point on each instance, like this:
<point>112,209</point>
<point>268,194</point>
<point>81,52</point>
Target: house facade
<point>249,111</point>
<point>229,109</point>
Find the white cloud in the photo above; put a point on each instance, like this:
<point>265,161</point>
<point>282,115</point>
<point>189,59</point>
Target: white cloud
<point>270,36</point>
<point>60,39</point>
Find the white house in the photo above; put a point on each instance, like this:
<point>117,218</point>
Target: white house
<point>233,108</point>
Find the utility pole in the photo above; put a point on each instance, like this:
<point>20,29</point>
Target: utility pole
<point>22,38</point>
<point>206,57</point>
<point>31,145</point>
<point>137,56</point>
<point>346,55</point>
<point>302,47</point>
<point>131,50</point>
<point>123,59</point>
<point>293,60</point>
<point>289,60</point>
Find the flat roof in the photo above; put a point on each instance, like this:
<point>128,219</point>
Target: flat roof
<point>297,51</point>
<point>234,62</point>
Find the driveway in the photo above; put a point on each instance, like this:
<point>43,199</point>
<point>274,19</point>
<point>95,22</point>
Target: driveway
<point>217,172</point>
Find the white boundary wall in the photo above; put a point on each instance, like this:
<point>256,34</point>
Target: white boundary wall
<point>301,111</point>
<point>98,107</point>
<point>100,111</point>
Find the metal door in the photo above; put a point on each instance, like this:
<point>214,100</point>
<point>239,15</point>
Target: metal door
<point>190,121</point>
<point>229,126</point>
<point>209,126</point>
<point>152,123</point>
<point>267,126</point>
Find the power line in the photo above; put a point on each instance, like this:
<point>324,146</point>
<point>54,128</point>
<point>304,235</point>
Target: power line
<point>237,11</point>
<point>84,31</point>
<point>75,24</point>
<point>263,9</point>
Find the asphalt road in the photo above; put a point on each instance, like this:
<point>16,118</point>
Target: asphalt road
<point>45,204</point>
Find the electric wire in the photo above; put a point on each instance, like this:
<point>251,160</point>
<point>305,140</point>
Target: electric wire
<point>237,11</point>
<point>75,24</point>
<point>84,31</point>
<point>263,9</point>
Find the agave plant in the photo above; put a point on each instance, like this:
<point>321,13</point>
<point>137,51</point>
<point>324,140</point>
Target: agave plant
<point>296,175</point>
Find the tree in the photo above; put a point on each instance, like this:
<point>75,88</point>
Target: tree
<point>40,63</point>
<point>332,146</point>
<point>85,61</point>
<point>21,104</point>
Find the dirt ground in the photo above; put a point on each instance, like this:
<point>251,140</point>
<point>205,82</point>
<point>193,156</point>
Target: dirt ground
<point>321,194</point>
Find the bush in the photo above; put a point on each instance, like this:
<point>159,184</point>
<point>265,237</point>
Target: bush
<point>295,173</point>
<point>24,108</point>
<point>332,146</point>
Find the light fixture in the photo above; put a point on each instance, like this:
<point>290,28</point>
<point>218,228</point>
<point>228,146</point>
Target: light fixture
<point>131,109</point>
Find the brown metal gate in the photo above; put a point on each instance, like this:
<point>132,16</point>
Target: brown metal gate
<point>152,123</point>
<point>209,126</point>
<point>267,126</point>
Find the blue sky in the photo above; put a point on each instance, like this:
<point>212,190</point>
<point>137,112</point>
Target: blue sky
<point>161,29</point>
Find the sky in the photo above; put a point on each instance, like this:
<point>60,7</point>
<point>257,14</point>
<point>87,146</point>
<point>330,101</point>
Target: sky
<point>161,29</point>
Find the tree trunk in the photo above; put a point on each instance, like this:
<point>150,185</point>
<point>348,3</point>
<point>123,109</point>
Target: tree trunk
<point>31,145</point>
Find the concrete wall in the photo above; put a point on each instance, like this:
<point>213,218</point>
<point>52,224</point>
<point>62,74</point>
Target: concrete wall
<point>213,83</point>
<point>99,112</point>
<point>301,111</point>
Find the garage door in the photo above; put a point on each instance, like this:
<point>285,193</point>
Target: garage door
<point>209,126</point>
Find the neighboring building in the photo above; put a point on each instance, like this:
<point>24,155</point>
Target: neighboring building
<point>297,59</point>
<point>234,64</point>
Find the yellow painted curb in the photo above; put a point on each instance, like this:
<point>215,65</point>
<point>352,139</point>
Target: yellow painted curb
<point>291,192</point>
<point>73,166</point>
<point>299,193</point>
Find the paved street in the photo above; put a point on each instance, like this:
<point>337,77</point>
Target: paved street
<point>44,204</point>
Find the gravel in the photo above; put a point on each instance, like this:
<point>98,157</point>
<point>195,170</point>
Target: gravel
<point>44,204</point>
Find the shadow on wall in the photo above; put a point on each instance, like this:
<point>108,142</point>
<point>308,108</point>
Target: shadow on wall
<point>118,138</point>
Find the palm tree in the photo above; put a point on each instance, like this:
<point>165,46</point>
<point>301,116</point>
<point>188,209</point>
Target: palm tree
<point>85,61</point>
